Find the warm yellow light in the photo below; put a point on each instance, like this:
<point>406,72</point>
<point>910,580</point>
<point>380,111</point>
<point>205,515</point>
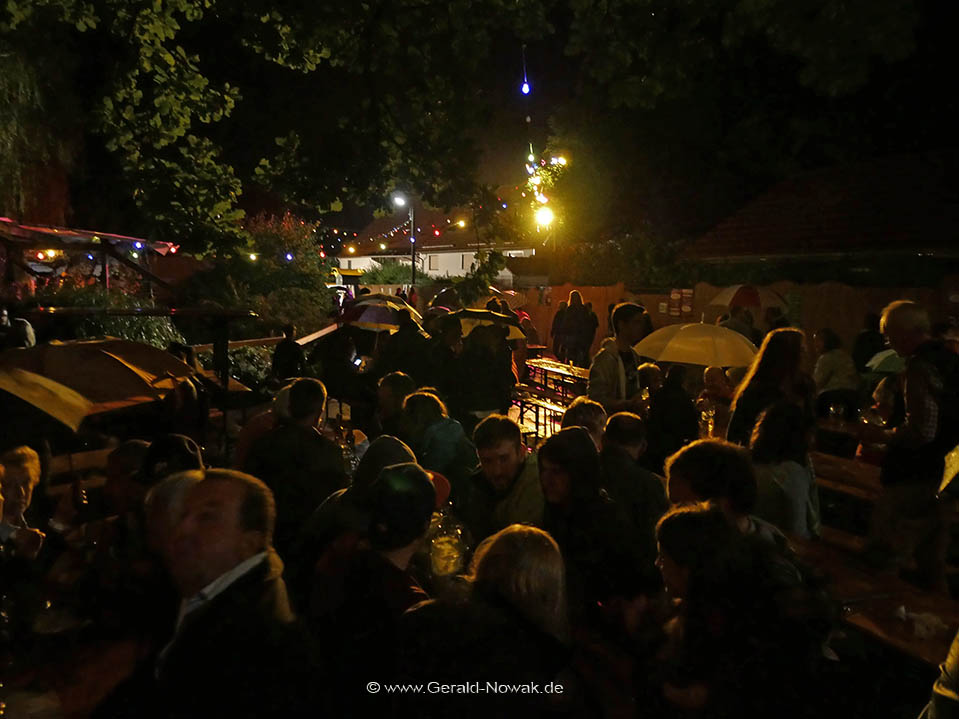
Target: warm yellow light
<point>536,179</point>
<point>461,223</point>
<point>253,256</point>
<point>382,245</point>
<point>561,160</point>
<point>544,216</point>
<point>351,250</point>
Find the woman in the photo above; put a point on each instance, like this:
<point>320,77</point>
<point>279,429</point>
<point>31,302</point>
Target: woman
<point>577,330</point>
<point>508,626</point>
<point>732,653</point>
<point>775,374</point>
<point>786,485</point>
<point>593,531</point>
<point>837,381</point>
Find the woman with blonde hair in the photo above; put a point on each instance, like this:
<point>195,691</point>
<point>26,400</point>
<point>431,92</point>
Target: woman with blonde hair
<point>509,627</point>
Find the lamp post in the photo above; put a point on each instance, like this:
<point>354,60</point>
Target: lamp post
<point>400,201</point>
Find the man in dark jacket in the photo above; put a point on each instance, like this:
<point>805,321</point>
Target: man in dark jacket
<point>237,650</point>
<point>299,465</point>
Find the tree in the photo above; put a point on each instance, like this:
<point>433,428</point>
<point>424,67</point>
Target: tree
<point>184,104</point>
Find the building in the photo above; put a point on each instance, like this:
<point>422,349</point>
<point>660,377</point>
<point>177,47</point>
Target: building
<point>446,243</point>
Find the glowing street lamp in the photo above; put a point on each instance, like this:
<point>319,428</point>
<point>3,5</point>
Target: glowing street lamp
<point>544,216</point>
<point>400,201</point>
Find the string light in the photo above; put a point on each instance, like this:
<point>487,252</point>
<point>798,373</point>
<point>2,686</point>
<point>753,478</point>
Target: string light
<point>289,256</point>
<point>138,245</point>
<point>135,255</point>
<point>252,257</point>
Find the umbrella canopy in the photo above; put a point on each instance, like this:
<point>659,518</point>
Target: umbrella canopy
<point>886,362</point>
<point>513,299</point>
<point>446,297</point>
<point>377,312</point>
<point>698,344</point>
<point>51,398</point>
<point>471,319</point>
<point>749,296</point>
<point>111,373</point>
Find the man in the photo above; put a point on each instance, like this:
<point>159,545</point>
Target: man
<point>613,376</point>
<point>299,465</point>
<point>288,358</point>
<point>443,357</point>
<point>236,650</point>
<point>391,391</point>
<point>406,350</point>
<point>357,600</point>
<point>506,488</point>
<point>19,476</point>
<point>641,493</point>
<point>908,519</point>
<point>739,322</point>
<point>439,440</point>
<point>584,412</point>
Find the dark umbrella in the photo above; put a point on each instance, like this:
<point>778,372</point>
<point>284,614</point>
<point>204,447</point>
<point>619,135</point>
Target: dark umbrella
<point>470,319</point>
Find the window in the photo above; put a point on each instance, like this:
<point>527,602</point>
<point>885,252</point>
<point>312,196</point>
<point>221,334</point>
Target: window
<point>434,262</point>
<point>462,262</point>
<point>349,264</point>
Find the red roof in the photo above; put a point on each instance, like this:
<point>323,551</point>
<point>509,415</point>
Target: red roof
<point>900,204</point>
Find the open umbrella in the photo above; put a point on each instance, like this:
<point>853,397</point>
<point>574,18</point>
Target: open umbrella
<point>886,362</point>
<point>698,344</point>
<point>749,296</point>
<point>110,373</point>
<point>513,298</point>
<point>52,398</point>
<point>470,319</point>
<point>377,312</point>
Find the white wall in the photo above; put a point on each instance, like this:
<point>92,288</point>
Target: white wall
<point>441,264</point>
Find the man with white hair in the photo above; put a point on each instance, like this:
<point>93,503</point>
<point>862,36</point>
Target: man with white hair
<point>908,519</point>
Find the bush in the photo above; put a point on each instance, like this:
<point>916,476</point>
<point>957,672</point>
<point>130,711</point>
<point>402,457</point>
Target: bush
<point>156,331</point>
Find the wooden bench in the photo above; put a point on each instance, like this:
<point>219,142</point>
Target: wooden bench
<point>871,601</point>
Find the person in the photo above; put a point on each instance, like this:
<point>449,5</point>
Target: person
<point>357,602</point>
<point>733,651</point>
<point>640,492</point>
<point>673,420</point>
<point>613,374</point>
<point>592,326</point>
<point>406,350</point>
<point>590,528</point>
<point>288,358</point>
<point>835,375</point>
<point>505,489</point>
<point>775,374</point>
<point>868,343</point>
<point>716,387</point>
<point>556,330</point>
<point>487,362</point>
<point>19,476</point>
<point>786,484</point>
<point>237,649</point>
<point>260,424</point>
<point>576,329</point>
<point>413,298</point>
<point>738,322</point>
<point>300,465</point>
<point>584,412</point>
<point>944,701</point>
<point>908,520</point>
<point>529,329</point>
<point>443,357</point>
<point>511,627</point>
<point>391,391</point>
<point>712,470</point>
<point>775,319</point>
<point>439,441</point>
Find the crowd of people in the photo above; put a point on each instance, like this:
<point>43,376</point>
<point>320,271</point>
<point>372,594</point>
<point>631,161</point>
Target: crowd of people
<point>641,569</point>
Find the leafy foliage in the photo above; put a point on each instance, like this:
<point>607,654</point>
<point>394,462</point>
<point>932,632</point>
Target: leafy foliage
<point>390,273</point>
<point>278,274</point>
<point>156,331</point>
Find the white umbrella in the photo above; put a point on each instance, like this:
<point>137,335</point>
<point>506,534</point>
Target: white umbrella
<point>698,344</point>
<point>886,362</point>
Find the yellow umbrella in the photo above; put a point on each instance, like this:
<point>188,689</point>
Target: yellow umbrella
<point>698,344</point>
<point>52,398</point>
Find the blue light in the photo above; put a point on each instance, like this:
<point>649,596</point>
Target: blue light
<point>289,256</point>
<point>89,256</point>
<point>138,245</point>
<point>504,205</point>
<point>525,88</point>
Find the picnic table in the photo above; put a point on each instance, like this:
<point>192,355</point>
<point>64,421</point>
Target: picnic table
<point>551,374</point>
<point>873,603</point>
<point>849,476</point>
